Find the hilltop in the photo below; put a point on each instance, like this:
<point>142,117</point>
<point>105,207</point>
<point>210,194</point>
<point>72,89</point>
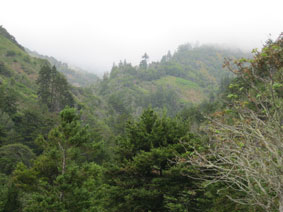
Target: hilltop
<point>189,76</point>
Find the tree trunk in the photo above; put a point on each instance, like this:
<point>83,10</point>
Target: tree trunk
<point>281,202</point>
<point>63,166</point>
<point>63,159</point>
<point>64,162</point>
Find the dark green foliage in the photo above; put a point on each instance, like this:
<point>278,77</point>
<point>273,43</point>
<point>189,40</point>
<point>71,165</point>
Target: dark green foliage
<point>117,103</point>
<point>4,70</point>
<point>8,100</point>
<point>6,128</point>
<point>60,178</point>
<point>9,195</point>
<point>12,199</point>
<point>143,178</point>
<point>31,123</point>
<point>163,97</point>
<point>10,53</point>
<point>3,191</point>
<point>215,199</point>
<point>44,82</point>
<point>8,109</point>
<point>12,154</point>
<point>53,89</point>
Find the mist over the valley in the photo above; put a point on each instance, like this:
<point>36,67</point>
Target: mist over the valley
<point>95,34</point>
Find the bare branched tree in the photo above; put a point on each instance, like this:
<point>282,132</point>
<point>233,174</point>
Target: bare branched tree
<point>246,146</point>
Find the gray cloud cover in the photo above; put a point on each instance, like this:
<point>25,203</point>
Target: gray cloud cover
<point>93,34</point>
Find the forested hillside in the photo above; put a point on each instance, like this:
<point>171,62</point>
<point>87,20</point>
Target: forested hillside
<point>75,77</point>
<point>32,94</point>
<point>192,132</point>
<point>189,76</point>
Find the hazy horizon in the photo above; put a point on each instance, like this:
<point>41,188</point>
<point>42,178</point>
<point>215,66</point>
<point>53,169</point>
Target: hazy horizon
<point>95,34</point>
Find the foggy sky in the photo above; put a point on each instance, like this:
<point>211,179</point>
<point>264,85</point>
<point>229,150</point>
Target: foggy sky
<point>93,34</point>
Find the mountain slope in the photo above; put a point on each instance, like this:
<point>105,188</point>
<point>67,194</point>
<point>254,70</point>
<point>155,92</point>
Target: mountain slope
<point>77,77</point>
<point>17,69</point>
<point>189,76</point>
<point>20,108</point>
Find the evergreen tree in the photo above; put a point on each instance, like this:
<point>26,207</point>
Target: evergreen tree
<point>6,128</point>
<point>143,63</point>
<point>8,100</point>
<point>44,82</point>
<point>53,89</point>
<point>143,179</point>
<point>60,179</point>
